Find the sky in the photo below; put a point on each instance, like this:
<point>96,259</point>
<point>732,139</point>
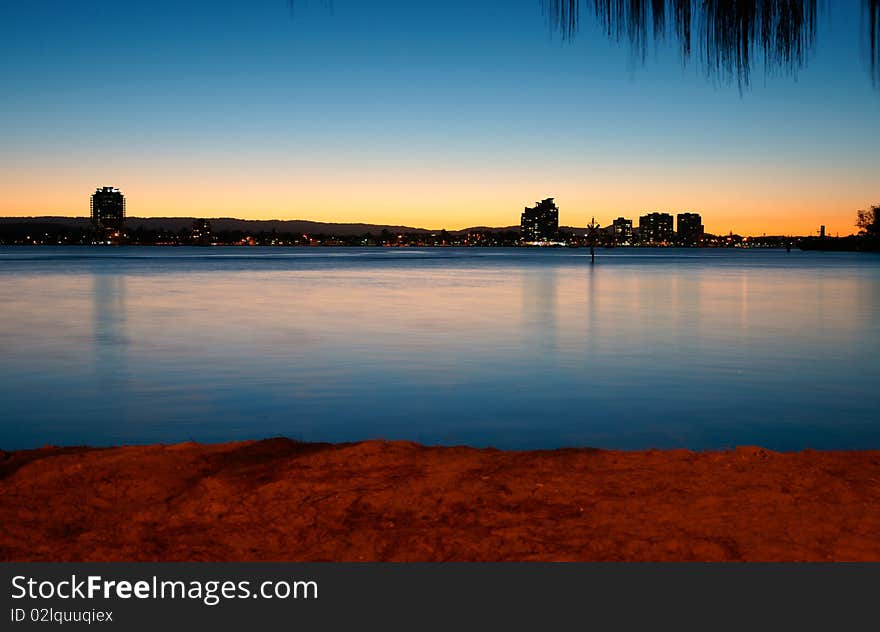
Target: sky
<point>431,114</point>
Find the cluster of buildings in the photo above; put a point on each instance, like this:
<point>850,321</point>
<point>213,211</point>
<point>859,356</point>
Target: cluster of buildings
<point>539,225</point>
<point>107,212</point>
<point>657,229</point>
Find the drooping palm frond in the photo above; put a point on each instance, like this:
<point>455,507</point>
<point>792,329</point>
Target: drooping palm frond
<point>636,21</point>
<point>563,16</point>
<point>872,21</point>
<point>734,33</point>
<point>732,36</point>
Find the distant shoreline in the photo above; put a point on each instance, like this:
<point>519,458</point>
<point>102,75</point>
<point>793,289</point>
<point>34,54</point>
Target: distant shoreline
<point>280,500</point>
<point>51,230</point>
<point>393,247</point>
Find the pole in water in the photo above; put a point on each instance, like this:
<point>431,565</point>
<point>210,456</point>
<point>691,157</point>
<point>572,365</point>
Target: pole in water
<point>592,232</point>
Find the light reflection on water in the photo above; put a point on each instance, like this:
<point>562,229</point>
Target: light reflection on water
<point>511,348</point>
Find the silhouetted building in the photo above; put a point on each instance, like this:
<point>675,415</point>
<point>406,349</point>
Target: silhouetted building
<point>108,209</point>
<point>622,230</point>
<point>201,232</point>
<point>656,228</point>
<point>540,223</point>
<point>690,229</point>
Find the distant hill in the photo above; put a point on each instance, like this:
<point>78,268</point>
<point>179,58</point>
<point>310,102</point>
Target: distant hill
<point>77,222</point>
<point>293,226</point>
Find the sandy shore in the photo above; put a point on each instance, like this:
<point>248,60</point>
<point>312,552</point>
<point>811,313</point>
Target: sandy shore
<point>281,500</point>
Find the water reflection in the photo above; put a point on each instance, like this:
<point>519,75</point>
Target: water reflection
<point>109,311</point>
<point>593,332</point>
<point>540,287</point>
<point>498,348</point>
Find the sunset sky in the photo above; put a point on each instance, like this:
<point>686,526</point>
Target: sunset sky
<point>446,114</point>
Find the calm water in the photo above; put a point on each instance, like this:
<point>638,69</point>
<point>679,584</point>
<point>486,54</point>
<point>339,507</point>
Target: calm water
<point>511,348</point>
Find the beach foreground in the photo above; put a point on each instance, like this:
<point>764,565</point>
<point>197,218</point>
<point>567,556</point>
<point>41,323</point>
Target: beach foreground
<point>280,500</point>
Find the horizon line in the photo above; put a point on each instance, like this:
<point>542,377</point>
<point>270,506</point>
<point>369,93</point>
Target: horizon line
<point>372,224</point>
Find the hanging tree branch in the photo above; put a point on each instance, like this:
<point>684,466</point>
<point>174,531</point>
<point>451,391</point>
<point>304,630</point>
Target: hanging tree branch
<point>732,37</point>
<point>563,16</point>
<point>872,20</point>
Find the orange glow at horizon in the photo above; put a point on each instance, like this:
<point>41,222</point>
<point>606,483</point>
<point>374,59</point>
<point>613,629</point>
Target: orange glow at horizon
<point>436,198</point>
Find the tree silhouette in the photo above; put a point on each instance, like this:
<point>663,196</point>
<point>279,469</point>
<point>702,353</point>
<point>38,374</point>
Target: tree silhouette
<point>730,36</point>
<point>872,19</point>
<point>868,220</point>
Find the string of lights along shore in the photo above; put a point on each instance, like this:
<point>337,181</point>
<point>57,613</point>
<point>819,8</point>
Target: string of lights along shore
<point>538,227</point>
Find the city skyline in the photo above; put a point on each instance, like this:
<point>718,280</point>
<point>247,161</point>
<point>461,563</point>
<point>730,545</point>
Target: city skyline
<point>539,226</point>
<point>567,218</point>
<point>107,212</point>
<point>436,117</point>
<point>605,224</point>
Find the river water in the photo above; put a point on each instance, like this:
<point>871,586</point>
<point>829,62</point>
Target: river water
<point>513,348</point>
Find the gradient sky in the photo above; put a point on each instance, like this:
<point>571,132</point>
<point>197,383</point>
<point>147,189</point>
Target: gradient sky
<point>446,114</point>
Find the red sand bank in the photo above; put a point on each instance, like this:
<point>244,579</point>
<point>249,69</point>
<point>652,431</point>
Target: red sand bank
<point>281,500</point>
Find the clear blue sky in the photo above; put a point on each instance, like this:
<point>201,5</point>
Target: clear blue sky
<point>434,114</point>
